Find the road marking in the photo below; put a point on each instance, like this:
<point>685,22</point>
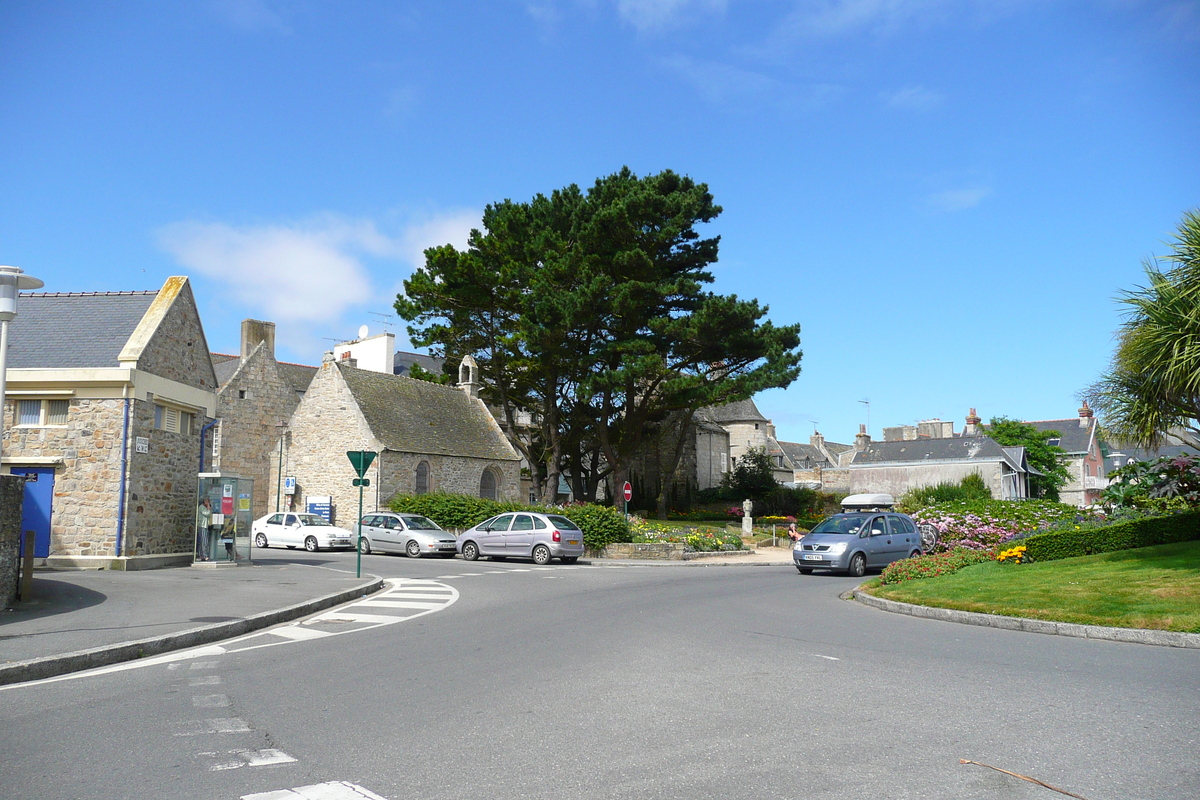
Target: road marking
<point>399,604</point>
<point>221,725</point>
<point>210,701</point>
<point>333,790</point>
<point>200,680</point>
<point>300,634</point>
<point>204,664</point>
<point>251,758</point>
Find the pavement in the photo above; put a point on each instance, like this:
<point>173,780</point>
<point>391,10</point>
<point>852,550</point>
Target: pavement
<point>78,620</point>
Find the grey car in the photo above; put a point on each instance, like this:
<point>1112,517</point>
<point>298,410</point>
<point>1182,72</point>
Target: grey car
<point>411,534</point>
<point>523,535</point>
<point>856,542</point>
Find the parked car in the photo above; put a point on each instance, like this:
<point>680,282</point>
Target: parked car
<point>295,530</point>
<point>523,535</point>
<point>411,534</point>
<point>856,542</point>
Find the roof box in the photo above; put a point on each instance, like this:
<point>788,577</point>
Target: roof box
<point>868,502</point>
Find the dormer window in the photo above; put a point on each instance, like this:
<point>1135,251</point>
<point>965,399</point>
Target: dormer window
<point>1053,442</point>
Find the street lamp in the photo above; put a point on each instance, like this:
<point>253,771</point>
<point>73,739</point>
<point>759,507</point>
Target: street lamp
<point>282,427</point>
<point>12,281</point>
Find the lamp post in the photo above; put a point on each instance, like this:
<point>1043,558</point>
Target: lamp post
<point>12,281</point>
<point>280,426</point>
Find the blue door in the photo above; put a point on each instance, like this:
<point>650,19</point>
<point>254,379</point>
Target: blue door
<point>35,509</point>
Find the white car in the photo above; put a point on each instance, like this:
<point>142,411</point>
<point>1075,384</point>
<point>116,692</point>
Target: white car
<point>291,530</point>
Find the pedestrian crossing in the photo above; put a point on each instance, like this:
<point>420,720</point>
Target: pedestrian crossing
<point>405,599</point>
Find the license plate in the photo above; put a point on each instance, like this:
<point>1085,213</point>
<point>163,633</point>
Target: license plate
<point>572,541</point>
<point>447,547</point>
<point>812,557</point>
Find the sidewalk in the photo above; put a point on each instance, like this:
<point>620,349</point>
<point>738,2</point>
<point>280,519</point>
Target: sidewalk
<point>80,620</point>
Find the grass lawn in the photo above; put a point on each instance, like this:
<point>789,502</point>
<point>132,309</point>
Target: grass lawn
<point>1151,587</point>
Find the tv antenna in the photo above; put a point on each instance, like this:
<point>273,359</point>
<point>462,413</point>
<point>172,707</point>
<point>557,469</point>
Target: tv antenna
<point>867,402</point>
<point>384,319</point>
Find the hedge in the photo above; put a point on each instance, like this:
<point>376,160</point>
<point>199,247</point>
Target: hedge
<point>601,525</point>
<point>1143,532</point>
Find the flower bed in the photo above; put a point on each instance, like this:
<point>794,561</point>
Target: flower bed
<point>703,540</point>
<point>983,524</point>
<point>930,566</point>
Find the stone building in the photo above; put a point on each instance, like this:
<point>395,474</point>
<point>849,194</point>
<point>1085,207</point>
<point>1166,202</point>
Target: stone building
<point>256,399</point>
<point>107,395</point>
<point>430,438</point>
<point>1083,440</point>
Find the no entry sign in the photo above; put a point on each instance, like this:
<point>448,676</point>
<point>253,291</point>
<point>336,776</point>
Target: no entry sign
<point>627,492</point>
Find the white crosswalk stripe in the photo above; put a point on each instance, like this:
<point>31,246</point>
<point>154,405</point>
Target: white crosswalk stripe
<point>331,790</point>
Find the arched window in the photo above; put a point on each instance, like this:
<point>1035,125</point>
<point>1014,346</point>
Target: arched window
<point>487,485</point>
<point>423,477</point>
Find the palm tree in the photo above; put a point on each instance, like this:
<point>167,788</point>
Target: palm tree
<point>1152,387</point>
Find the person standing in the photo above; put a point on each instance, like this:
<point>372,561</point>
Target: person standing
<point>203,521</point>
<point>793,534</point>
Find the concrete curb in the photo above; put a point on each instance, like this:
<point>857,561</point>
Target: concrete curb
<point>49,666</point>
<point>691,562</point>
<point>1132,635</point>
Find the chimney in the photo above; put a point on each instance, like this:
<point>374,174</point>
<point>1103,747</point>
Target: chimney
<point>817,440</point>
<point>347,359</point>
<point>862,440</point>
<point>1085,415</point>
<point>973,421</point>
<point>255,331</point>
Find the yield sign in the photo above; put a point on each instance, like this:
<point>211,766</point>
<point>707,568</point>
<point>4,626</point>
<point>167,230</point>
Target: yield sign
<point>361,460</point>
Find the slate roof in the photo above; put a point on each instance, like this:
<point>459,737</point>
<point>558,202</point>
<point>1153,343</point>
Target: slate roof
<point>799,454</point>
<point>402,363</point>
<point>81,330</point>
<point>420,417</point>
<point>741,411</point>
<point>1074,438</point>
<point>971,448</point>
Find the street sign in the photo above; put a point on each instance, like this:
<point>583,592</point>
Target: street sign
<point>627,492</point>
<point>361,460</point>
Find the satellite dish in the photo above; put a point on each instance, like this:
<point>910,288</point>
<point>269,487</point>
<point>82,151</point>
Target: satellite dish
<point>362,332</point>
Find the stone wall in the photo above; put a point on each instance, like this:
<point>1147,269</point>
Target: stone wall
<point>178,349</point>
<point>161,496</point>
<point>12,490</point>
<point>250,406</point>
<point>453,474</point>
<point>87,478</point>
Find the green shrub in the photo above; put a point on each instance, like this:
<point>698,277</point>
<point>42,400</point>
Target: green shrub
<point>601,525</point>
<point>983,524</point>
<point>1126,535</point>
<point>930,566</point>
<point>971,487</point>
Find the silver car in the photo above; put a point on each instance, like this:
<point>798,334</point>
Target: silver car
<point>523,535</point>
<point>411,534</point>
<point>856,542</point>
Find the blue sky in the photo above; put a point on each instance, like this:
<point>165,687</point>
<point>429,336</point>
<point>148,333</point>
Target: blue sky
<point>946,194</point>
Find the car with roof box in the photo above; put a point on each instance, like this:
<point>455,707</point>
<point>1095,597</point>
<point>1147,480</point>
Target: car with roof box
<point>868,534</point>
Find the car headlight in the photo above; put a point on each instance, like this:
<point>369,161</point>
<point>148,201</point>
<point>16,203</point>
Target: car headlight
<point>797,546</point>
<point>837,549</point>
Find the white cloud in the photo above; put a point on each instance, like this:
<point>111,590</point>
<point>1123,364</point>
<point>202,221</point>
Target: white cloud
<point>915,98</point>
<point>721,83</point>
<point>958,199</point>
<point>654,15</point>
<point>312,271</point>
<point>250,16</point>
<point>303,272</point>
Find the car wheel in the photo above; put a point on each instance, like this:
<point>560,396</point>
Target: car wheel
<point>470,551</point>
<point>858,566</point>
<point>805,570</point>
<point>364,545</point>
<point>541,555</point>
<point>570,559</point>
<point>310,544</point>
<point>412,549</point>
<point>260,540</point>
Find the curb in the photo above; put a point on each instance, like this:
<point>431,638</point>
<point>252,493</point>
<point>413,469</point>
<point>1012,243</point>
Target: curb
<point>1130,635</point>
<point>49,666</point>
<point>691,562</point>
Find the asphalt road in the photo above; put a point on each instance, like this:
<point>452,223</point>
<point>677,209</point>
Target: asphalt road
<point>615,682</point>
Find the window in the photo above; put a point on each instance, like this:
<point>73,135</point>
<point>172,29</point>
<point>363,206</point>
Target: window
<point>523,522</point>
<point>171,419</point>
<point>423,478</point>
<point>42,412</point>
<point>487,485</point>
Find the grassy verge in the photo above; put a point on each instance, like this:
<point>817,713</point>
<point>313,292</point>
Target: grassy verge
<point>1150,587</point>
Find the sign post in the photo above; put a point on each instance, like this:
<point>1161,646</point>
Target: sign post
<point>627,493</point>
<point>361,461</point>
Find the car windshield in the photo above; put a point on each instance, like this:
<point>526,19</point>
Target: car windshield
<point>312,519</point>
<point>839,523</point>
<point>562,523</point>
<point>420,524</point>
